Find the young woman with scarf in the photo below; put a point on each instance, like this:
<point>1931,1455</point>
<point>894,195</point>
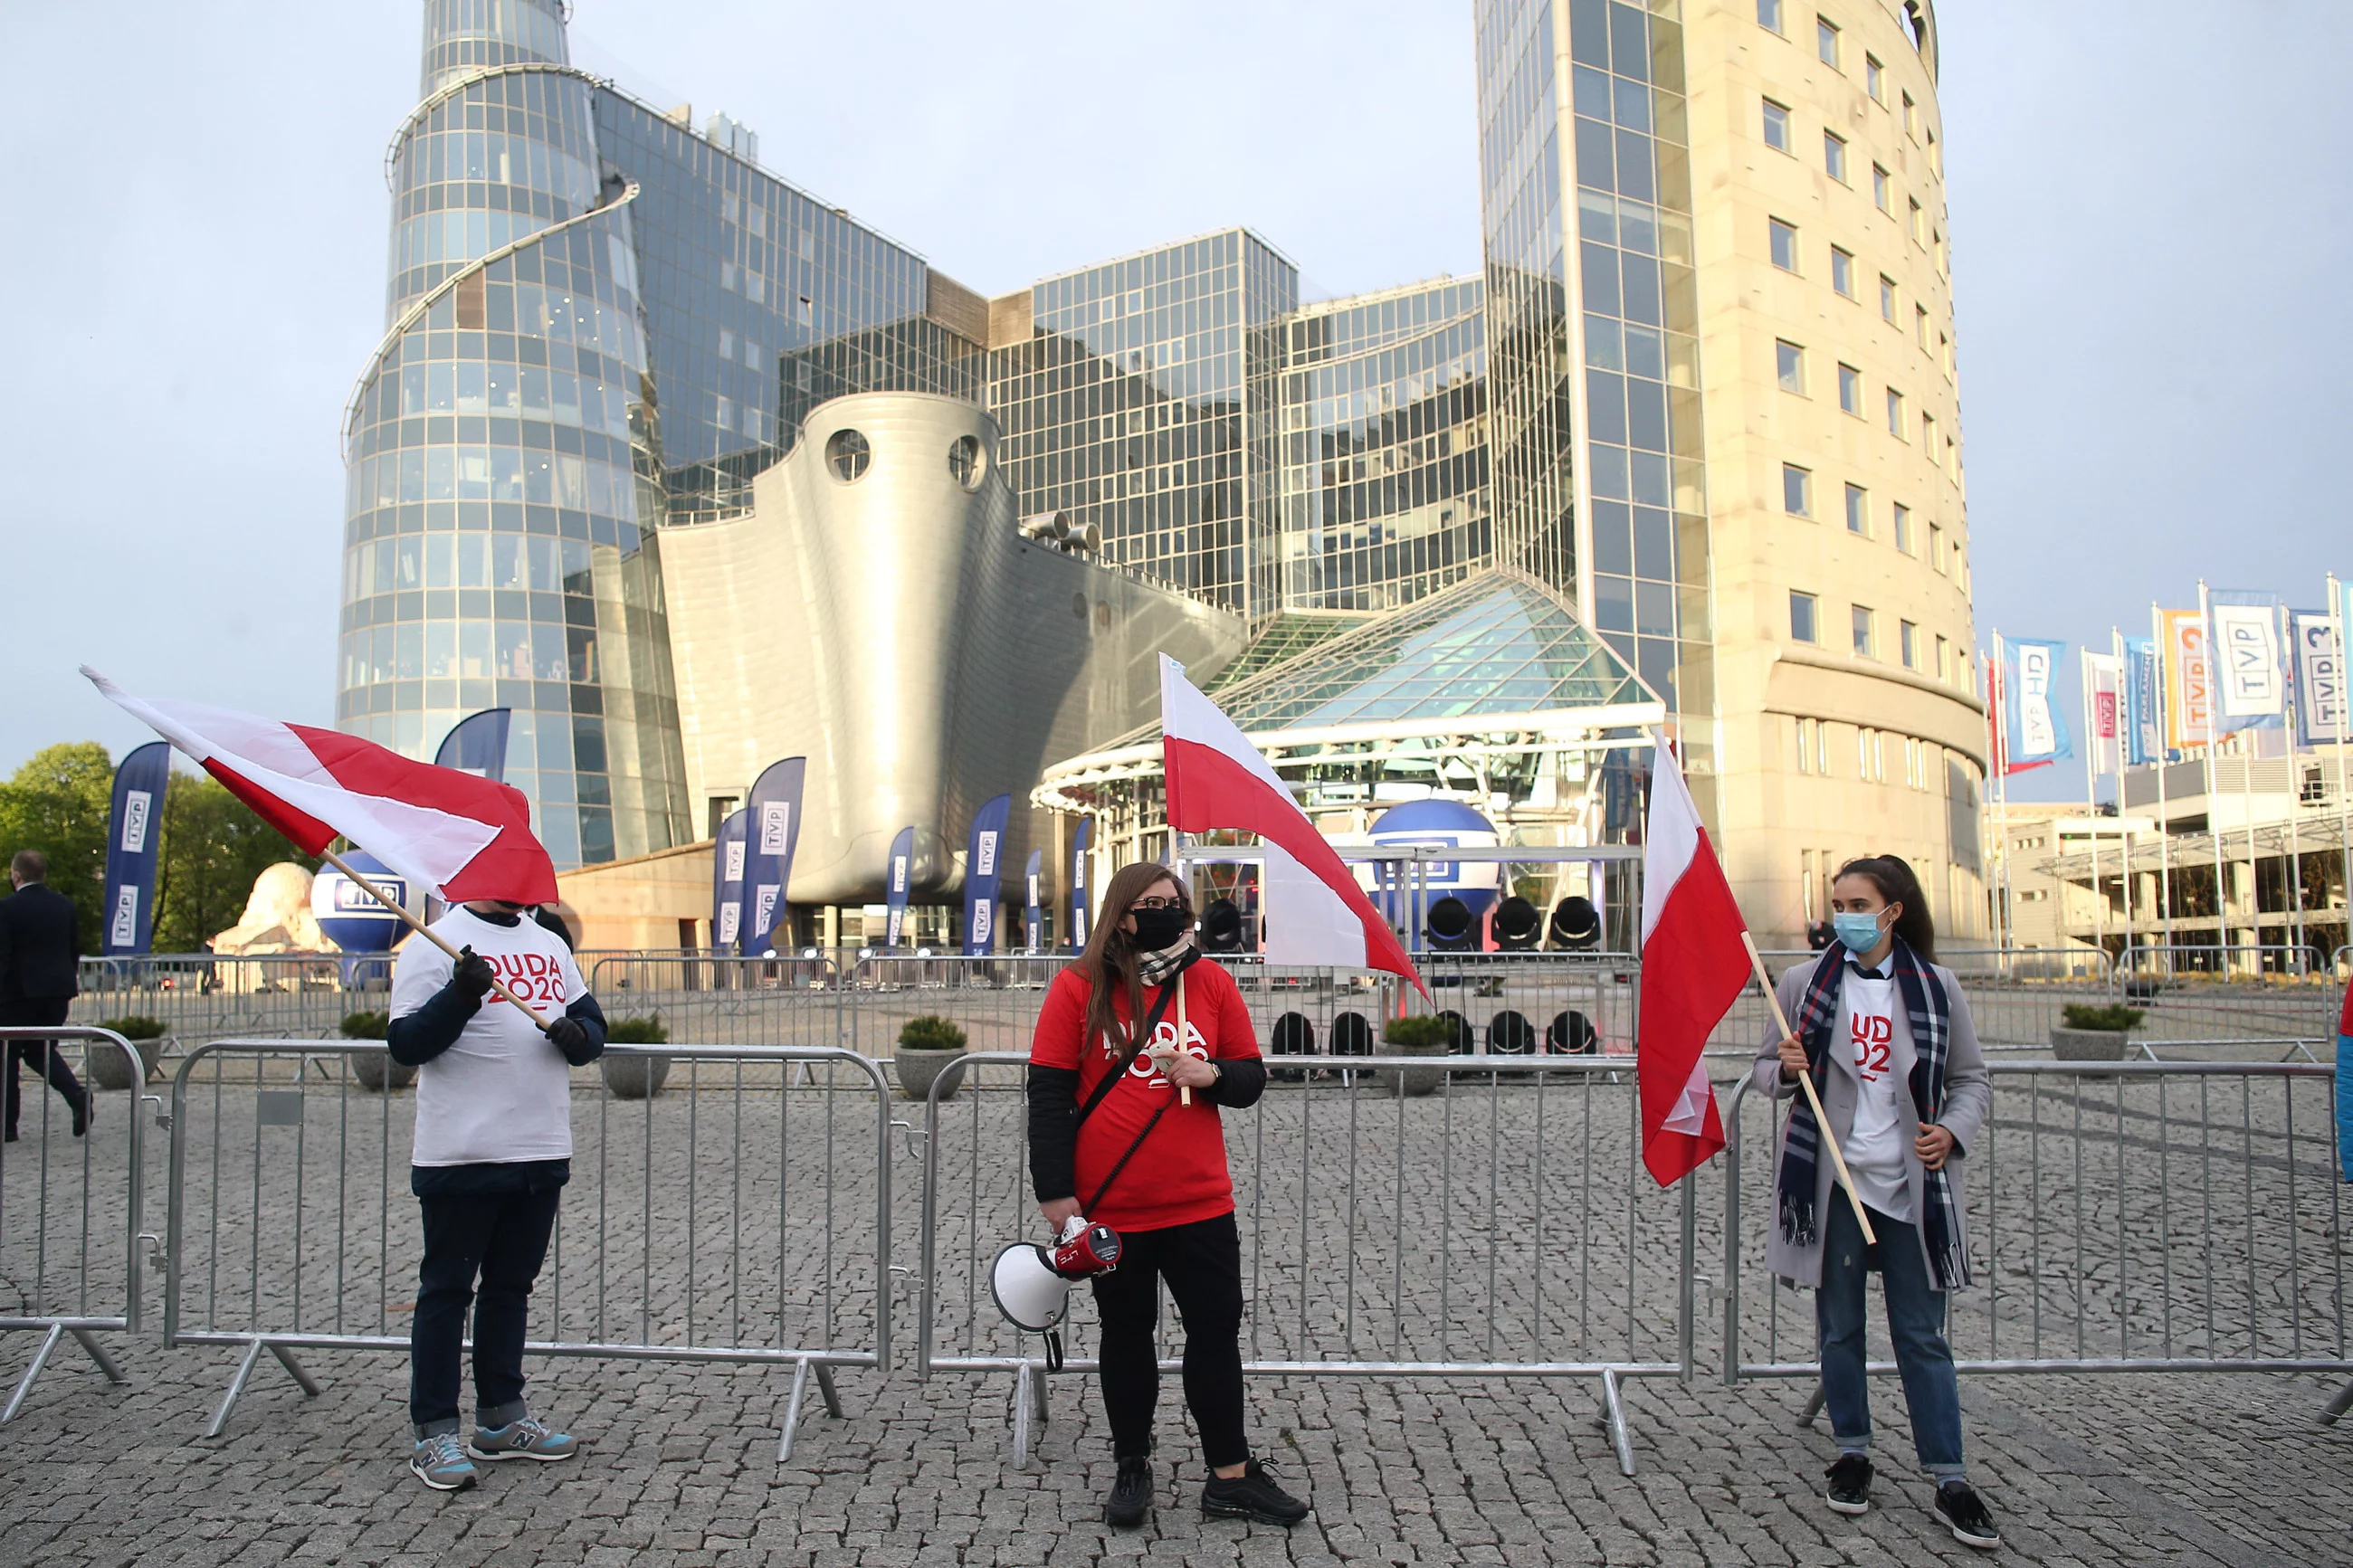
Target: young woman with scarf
<point>1885,1033</point>
<point>1137,1158</point>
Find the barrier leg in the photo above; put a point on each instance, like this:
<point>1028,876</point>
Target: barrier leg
<point>40,1359</point>
<point>88,1341</point>
<point>825,1386</point>
<point>294,1369</point>
<point>1813,1406</point>
<point>245,1371</point>
<point>1022,1396</point>
<point>1613,1416</point>
<point>793,1410</point>
<point>2337,1407</point>
<point>1038,1402</point>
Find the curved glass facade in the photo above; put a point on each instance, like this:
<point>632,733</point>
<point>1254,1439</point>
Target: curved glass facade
<point>504,450</point>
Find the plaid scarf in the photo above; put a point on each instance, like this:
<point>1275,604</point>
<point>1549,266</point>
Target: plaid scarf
<point>1156,968</point>
<point>1931,1017</point>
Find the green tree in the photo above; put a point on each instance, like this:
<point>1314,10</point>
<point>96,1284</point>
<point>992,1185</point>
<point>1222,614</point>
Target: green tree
<point>57,804</point>
<point>214,847</point>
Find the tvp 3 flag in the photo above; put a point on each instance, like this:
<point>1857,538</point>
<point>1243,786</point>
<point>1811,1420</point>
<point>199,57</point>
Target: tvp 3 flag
<point>981,859</point>
<point>727,883</point>
<point>772,827</point>
<point>896,876</point>
<point>2037,732</point>
<point>135,835</point>
<point>2319,679</point>
<point>1695,966</point>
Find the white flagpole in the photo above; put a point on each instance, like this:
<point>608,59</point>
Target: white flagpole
<point>2215,783</point>
<point>2164,762</point>
<point>2092,797</point>
<point>2124,751</point>
<point>2343,725</point>
<point>1999,682</point>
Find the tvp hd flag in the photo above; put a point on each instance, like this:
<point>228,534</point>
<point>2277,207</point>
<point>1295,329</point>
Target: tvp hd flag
<point>2144,715</point>
<point>2250,676</point>
<point>727,883</point>
<point>2189,678</point>
<point>980,874</point>
<point>896,876</point>
<point>134,836</point>
<point>2320,679</point>
<point>772,827</point>
<point>2037,730</point>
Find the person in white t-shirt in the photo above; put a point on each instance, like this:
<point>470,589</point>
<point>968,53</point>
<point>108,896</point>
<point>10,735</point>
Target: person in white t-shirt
<point>493,1149</point>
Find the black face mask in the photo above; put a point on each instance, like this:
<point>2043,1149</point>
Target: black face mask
<point>1159,929</point>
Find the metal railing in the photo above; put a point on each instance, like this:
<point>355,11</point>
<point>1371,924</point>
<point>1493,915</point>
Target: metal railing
<point>198,996</point>
<point>2135,1216</point>
<point>1555,1255</point>
<point>71,1209</point>
<point>744,1215</point>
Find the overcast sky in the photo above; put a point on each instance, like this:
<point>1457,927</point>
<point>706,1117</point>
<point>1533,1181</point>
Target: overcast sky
<point>2144,203</point>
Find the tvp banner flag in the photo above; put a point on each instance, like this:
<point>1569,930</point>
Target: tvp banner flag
<point>727,884</point>
<point>2037,731</point>
<point>477,745</point>
<point>134,836</point>
<point>2144,715</point>
<point>2320,679</point>
<point>2103,674</point>
<point>1033,919</point>
<point>980,874</point>
<point>2189,678</point>
<point>2250,676</point>
<point>896,876</point>
<point>1079,883</point>
<point>772,826</point>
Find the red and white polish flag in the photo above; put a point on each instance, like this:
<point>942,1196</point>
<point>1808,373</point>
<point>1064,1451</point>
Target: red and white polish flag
<point>1694,967</point>
<point>1217,781</point>
<point>456,834</point>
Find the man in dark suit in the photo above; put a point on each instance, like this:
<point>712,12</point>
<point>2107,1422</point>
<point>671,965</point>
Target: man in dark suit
<point>40,947</point>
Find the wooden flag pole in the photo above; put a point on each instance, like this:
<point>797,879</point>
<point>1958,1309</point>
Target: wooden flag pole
<point>417,926</point>
<point>1183,1091</point>
<point>1821,1122</point>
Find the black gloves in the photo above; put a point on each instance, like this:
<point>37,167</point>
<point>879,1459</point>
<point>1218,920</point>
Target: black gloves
<point>472,976</point>
<point>567,1036</point>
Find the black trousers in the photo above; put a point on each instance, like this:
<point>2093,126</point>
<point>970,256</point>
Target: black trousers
<point>502,1237</point>
<point>1202,1263</point>
<point>34,1012</point>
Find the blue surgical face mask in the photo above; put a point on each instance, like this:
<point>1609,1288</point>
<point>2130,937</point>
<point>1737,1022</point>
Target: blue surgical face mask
<point>1860,932</point>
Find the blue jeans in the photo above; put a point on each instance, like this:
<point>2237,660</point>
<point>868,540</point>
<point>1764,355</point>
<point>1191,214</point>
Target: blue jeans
<point>500,1238</point>
<point>1915,1322</point>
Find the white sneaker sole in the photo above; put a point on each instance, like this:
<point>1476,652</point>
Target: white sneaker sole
<point>1849,1509</point>
<point>457,1486</point>
<point>500,1456</point>
<point>1982,1543</point>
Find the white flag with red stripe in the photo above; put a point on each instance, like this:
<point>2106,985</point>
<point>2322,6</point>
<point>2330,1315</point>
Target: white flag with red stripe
<point>1694,967</point>
<point>457,834</point>
<point>1318,916</point>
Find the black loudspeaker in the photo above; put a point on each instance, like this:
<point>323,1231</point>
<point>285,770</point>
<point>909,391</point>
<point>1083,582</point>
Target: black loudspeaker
<point>1449,925</point>
<point>1293,1036</point>
<point>1351,1035</point>
<point>1460,1044</point>
<point>1517,925</point>
<point>1575,924</point>
<point>1510,1033</point>
<point>1572,1034</point>
<point>1221,927</point>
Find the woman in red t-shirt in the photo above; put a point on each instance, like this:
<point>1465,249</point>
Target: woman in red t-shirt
<point>1172,1200</point>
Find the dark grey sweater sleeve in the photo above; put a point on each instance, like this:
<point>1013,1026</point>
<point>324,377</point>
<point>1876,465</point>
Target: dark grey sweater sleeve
<point>1053,1132</point>
<point>415,1038</point>
<point>1241,1080</point>
<point>591,1019</point>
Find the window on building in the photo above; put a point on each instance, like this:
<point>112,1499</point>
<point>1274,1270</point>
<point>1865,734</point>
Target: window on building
<point>1944,659</point>
<point>1936,250</point>
<point>1769,14</point>
<point>1907,638</point>
<point>1944,353</point>
<point>1807,875</point>
<point>1871,755</point>
<point>1866,644</point>
<point>1928,435</point>
<point>1776,127</point>
<point>1935,154</point>
<point>1936,546</point>
<point>1952,460</point>
<point>1805,765</point>
<point>1785,244</point>
<point>1900,525</point>
<point>1789,364</point>
<point>1887,298</point>
<point>1878,188</point>
<point>1797,491</point>
<point>1803,626</point>
<point>1874,79</point>
<point>1851,390</point>
<point>1894,413</point>
<point>1834,155</point>
<point>1858,510</point>
<point>1911,117</point>
<point>1842,271</point>
<point>1920,326</point>
<point>1826,43</point>
<point>1915,222</point>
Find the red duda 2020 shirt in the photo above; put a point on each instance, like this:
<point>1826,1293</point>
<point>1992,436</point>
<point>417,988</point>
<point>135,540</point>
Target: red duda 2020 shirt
<point>1179,1176</point>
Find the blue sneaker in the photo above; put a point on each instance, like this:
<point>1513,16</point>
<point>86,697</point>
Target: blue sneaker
<point>526,1438</point>
<point>441,1462</point>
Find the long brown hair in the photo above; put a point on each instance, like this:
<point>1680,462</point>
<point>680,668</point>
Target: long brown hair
<point>1898,884</point>
<point>1111,953</point>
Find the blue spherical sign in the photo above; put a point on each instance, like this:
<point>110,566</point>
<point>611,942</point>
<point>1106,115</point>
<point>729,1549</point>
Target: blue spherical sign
<point>1435,824</point>
<point>352,918</point>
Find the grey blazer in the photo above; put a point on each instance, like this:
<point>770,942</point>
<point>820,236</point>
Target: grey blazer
<point>1969,1096</point>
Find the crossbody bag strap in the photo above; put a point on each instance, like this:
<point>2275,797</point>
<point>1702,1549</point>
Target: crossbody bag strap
<point>1135,1048</point>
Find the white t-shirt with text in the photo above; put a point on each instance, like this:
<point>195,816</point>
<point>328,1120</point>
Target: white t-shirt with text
<point>503,1092</point>
<point>1875,1153</point>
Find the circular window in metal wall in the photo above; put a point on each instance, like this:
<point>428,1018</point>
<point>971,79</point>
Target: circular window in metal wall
<point>965,462</point>
<point>848,454</point>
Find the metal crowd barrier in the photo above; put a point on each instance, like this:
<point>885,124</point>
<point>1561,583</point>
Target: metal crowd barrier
<point>1555,1253</point>
<point>71,1210</point>
<point>198,997</point>
<point>723,1000</point>
<point>742,1215</point>
<point>2134,1217</point>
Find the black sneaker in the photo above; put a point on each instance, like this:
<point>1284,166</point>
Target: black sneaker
<point>1850,1488</point>
<point>1131,1495</point>
<point>81,1112</point>
<point>1958,1505</point>
<point>1250,1495</point>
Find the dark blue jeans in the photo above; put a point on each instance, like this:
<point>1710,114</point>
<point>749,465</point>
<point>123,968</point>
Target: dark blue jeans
<point>502,1237</point>
<point>1915,1322</point>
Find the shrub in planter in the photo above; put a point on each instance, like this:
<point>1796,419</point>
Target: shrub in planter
<point>634,1077</point>
<point>2093,1034</point>
<point>1420,1036</point>
<point>927,1045</point>
<point>374,1070</point>
<point>110,1068</point>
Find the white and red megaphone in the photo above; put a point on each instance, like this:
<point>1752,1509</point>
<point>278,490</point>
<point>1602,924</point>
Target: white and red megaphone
<point>1032,1283</point>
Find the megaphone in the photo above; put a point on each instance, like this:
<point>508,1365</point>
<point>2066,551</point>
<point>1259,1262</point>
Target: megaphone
<point>1032,1283</point>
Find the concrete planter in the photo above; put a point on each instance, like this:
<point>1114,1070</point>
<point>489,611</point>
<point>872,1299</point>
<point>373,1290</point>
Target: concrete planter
<point>377,1072</point>
<point>917,1070</point>
<point>109,1066</point>
<point>2088,1044</point>
<point>1414,1081</point>
<point>634,1077</point>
